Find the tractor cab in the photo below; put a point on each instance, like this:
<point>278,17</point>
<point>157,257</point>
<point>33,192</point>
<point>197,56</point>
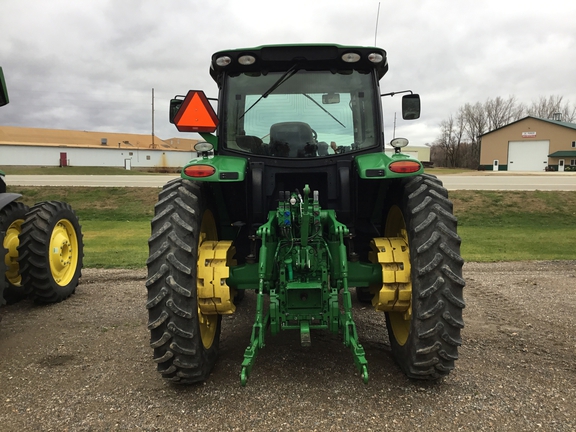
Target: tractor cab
<point>297,102</point>
<point>294,115</point>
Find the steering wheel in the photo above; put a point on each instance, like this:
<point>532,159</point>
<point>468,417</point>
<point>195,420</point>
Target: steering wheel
<point>314,134</point>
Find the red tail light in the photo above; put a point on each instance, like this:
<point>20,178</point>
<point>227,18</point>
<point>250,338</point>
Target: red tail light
<point>404,166</point>
<point>199,170</point>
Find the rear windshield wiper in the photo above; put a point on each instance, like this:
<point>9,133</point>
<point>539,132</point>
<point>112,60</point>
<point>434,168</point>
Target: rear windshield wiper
<point>285,77</point>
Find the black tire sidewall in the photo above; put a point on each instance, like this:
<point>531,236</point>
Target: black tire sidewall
<point>34,251</point>
<point>431,356</point>
<point>186,359</point>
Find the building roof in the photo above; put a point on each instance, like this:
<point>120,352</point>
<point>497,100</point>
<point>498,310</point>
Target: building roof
<point>11,135</point>
<point>556,122</point>
<point>563,153</point>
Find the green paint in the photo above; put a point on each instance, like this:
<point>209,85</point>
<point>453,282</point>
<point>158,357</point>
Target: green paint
<point>228,169</point>
<point>376,166</point>
<point>303,266</point>
<point>210,138</point>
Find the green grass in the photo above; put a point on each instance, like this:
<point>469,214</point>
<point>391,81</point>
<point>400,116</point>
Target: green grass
<point>494,226</point>
<point>115,244</point>
<point>517,243</point>
<point>515,226</point>
<point>96,203</point>
<point>115,221</point>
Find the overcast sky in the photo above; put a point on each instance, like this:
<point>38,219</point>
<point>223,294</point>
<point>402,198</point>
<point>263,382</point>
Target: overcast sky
<point>92,64</point>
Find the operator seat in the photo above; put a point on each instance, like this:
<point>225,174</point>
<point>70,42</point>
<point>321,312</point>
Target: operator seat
<point>292,139</point>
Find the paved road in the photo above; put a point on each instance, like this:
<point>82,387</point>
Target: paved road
<point>548,181</point>
<point>496,181</point>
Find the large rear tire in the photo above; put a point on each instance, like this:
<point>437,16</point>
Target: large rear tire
<point>3,281</point>
<point>51,251</point>
<point>12,217</point>
<point>425,345</point>
<point>184,340</point>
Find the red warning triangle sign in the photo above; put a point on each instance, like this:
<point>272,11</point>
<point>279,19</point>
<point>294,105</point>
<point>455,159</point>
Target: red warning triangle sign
<point>196,114</point>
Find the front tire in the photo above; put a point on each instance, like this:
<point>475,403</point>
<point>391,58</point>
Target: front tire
<point>425,346</point>
<point>51,251</point>
<point>184,340</point>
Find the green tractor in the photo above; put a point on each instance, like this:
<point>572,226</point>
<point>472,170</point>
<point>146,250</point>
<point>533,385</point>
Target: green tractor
<point>295,198</point>
<point>42,246</point>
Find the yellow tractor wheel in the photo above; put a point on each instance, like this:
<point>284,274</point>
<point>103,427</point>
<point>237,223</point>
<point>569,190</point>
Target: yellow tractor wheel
<point>208,323</point>
<point>51,251</point>
<point>399,322</point>
<point>12,217</point>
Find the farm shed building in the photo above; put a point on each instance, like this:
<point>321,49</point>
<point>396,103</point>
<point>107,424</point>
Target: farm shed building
<point>530,144</point>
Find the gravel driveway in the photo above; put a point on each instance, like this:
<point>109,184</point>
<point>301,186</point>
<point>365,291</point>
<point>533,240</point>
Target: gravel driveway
<point>85,364</point>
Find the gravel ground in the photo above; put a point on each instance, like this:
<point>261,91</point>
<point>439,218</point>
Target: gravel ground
<point>85,364</point>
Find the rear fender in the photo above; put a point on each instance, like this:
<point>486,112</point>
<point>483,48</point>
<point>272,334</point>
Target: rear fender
<point>375,166</point>
<point>225,169</point>
<point>7,198</point>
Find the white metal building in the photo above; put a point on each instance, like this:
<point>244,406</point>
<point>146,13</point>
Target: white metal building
<point>52,147</point>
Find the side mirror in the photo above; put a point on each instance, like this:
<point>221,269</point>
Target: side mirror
<point>3,92</point>
<point>411,107</point>
<point>175,105</point>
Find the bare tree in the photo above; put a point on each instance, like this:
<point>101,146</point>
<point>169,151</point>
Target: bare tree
<point>476,123</point>
<point>500,111</point>
<point>458,144</point>
<point>450,140</point>
<point>547,107</point>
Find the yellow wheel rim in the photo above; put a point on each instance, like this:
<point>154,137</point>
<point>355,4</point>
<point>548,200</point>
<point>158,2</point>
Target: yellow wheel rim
<point>208,323</point>
<point>399,321</point>
<point>63,252</point>
<point>11,243</point>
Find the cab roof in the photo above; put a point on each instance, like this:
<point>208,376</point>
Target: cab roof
<point>280,58</point>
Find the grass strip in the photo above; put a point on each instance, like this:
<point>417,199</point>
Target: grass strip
<point>115,244</point>
<point>494,225</point>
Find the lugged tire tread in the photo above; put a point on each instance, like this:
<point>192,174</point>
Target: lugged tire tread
<point>152,324</point>
<point>436,285</point>
<point>437,282</point>
<point>34,247</point>
<point>163,339</point>
<point>157,298</point>
<point>172,302</point>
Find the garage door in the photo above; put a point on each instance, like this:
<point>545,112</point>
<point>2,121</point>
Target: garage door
<point>528,155</point>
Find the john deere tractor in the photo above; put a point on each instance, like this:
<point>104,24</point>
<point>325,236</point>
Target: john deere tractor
<point>42,249</point>
<point>295,198</point>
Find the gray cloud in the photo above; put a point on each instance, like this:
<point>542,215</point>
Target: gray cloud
<point>92,65</point>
